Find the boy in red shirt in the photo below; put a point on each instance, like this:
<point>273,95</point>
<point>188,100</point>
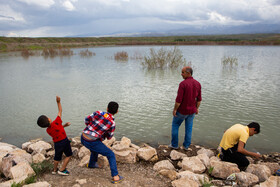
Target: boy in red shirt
<point>61,143</point>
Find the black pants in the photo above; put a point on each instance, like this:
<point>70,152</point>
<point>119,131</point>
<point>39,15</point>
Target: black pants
<point>231,155</point>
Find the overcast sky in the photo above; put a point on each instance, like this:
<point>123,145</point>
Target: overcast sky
<point>58,18</point>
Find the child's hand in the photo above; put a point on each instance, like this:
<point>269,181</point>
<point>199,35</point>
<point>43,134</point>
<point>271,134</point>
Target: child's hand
<point>57,99</point>
<point>67,124</point>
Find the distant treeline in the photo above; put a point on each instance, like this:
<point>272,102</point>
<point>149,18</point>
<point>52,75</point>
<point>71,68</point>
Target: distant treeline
<point>21,43</point>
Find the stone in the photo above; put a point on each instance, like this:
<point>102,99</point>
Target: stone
<point>171,174</point>
<point>246,179</point>
<point>50,153</point>
<point>199,178</point>
<point>25,145</point>
<point>176,155</point>
<point>193,164</point>
<point>76,141</point>
<point>208,152</point>
<point>118,146</point>
<point>38,158</point>
<point>146,153</point>
<point>81,181</point>
<point>20,170</point>
<point>262,171</point>
<point>273,166</point>
<point>110,142</point>
<point>38,184</point>
<point>272,181</point>
<point>83,152</point>
<point>184,182</point>
<point>163,164</point>
<point>204,159</point>
<point>9,183</point>
<point>222,169</point>
<point>126,141</point>
<point>154,158</point>
<point>84,161</point>
<point>75,152</point>
<point>126,156</point>
<point>39,147</point>
<point>134,146</point>
<point>102,161</point>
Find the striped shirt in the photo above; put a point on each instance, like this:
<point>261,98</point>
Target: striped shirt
<point>100,125</point>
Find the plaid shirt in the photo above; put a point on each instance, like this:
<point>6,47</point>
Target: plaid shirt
<point>100,125</point>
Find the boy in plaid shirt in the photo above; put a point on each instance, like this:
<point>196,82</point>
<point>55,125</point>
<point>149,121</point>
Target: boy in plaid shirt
<point>101,125</point>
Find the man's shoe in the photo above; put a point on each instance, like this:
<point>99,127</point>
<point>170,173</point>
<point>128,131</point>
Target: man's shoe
<point>170,146</point>
<point>64,172</point>
<point>95,166</point>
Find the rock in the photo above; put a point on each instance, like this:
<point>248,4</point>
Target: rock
<point>184,182</point>
<point>262,171</point>
<point>154,158</point>
<point>164,164</point>
<point>83,152</point>
<point>118,146</point>
<point>193,164</point>
<point>84,161</point>
<point>176,155</point>
<point>251,160</point>
<point>204,159</point>
<point>134,146</point>
<point>126,156</point>
<point>25,145</point>
<point>110,142</point>
<point>246,179</point>
<point>273,181</point>
<point>12,159</point>
<point>38,158</point>
<point>273,166</point>
<point>81,181</point>
<point>208,152</point>
<point>171,174</point>
<point>199,178</point>
<point>50,153</point>
<point>223,169</point>
<point>146,153</point>
<point>4,147</point>
<point>102,161</point>
<point>126,141</point>
<point>75,152</point>
<point>38,184</point>
<point>76,141</point>
<point>21,170</point>
<point>9,183</point>
<point>39,147</point>
<point>216,182</point>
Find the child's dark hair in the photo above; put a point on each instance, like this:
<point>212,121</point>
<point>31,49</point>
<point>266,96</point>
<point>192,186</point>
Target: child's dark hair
<point>113,107</point>
<point>256,126</point>
<point>43,121</point>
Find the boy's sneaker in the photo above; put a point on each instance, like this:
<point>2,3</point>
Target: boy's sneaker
<point>64,172</point>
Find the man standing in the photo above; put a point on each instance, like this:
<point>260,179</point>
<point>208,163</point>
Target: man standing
<point>233,143</point>
<point>186,106</point>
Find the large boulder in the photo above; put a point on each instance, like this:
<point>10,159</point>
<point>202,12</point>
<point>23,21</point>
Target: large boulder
<point>199,178</point>
<point>39,147</point>
<point>110,142</point>
<point>204,159</point>
<point>176,155</point>
<point>126,156</point>
<point>273,166</point>
<point>171,174</point>
<point>164,164</point>
<point>208,152</point>
<point>273,181</point>
<point>146,153</point>
<point>193,164</point>
<point>83,152</point>
<point>38,158</point>
<point>262,171</point>
<point>246,179</point>
<point>22,169</point>
<point>184,182</point>
<point>223,169</point>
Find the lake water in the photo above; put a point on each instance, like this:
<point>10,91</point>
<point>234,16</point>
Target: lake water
<point>249,92</point>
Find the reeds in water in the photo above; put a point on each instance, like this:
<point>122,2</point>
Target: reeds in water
<point>121,56</point>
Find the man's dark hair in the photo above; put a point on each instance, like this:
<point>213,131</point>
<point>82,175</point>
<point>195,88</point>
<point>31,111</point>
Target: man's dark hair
<point>189,69</point>
<point>256,126</point>
<point>113,107</point>
<point>43,121</point>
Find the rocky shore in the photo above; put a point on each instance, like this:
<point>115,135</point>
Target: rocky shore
<point>141,165</point>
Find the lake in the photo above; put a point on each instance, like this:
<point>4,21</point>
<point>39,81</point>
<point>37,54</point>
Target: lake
<point>242,94</point>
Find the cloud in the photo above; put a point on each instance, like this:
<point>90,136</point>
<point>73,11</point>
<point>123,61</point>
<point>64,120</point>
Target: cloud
<point>40,3</point>
<point>68,5</point>
<point>8,14</point>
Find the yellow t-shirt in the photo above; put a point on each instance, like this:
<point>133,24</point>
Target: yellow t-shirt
<point>233,135</point>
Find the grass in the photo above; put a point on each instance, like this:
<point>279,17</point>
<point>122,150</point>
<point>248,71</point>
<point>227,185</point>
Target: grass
<point>43,167</point>
<point>164,59</point>
<point>86,53</point>
<point>229,62</point>
<point>121,56</point>
<point>19,43</point>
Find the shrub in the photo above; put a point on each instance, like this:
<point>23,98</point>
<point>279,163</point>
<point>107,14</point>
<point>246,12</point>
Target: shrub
<point>43,167</point>
<point>121,56</point>
<point>229,61</point>
<point>86,53</point>
<point>164,58</point>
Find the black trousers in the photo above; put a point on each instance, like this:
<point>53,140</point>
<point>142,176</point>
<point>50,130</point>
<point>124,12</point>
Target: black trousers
<point>231,155</point>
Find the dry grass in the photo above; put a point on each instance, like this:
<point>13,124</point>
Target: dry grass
<point>121,56</point>
<point>86,53</point>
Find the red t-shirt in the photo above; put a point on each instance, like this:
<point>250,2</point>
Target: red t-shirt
<point>56,130</point>
<point>189,92</point>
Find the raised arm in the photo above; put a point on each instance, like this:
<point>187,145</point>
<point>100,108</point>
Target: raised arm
<point>59,106</point>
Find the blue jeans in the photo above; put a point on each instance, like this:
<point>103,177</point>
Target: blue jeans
<point>97,147</point>
<point>176,123</point>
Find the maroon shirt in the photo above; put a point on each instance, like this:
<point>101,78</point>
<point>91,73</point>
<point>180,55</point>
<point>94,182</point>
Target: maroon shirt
<point>189,92</point>
<point>56,130</point>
